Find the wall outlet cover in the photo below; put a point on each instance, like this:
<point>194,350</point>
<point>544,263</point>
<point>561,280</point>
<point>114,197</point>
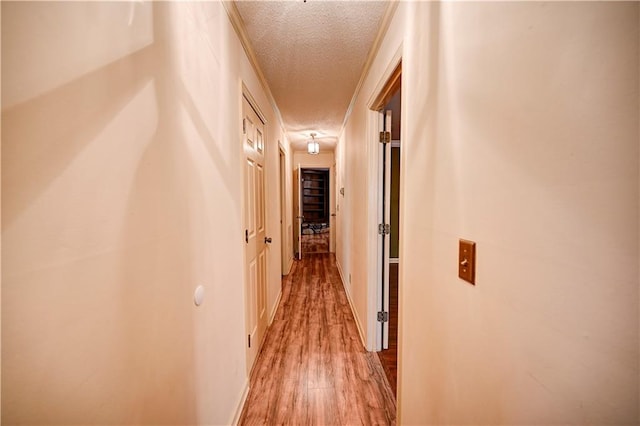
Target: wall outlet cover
<point>467,261</point>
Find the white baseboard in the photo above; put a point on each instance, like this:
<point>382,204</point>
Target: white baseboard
<point>394,260</point>
<point>240,406</point>
<point>353,310</point>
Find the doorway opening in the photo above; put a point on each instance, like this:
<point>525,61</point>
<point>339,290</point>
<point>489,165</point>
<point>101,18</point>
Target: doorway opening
<point>316,220</point>
<point>388,105</point>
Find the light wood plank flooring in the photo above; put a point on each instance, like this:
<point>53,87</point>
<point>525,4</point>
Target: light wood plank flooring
<point>312,368</point>
<point>315,243</point>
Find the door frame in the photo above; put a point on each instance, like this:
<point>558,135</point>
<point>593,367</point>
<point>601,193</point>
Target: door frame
<point>332,197</point>
<point>387,86</point>
<point>330,188</point>
<point>383,243</point>
<point>246,95</point>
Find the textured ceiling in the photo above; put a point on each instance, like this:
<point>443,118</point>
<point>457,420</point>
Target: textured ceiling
<point>312,56</point>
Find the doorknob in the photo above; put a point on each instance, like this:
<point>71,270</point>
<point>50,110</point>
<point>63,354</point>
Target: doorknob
<point>267,240</point>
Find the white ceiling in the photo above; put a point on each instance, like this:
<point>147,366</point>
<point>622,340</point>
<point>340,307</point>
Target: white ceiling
<point>312,56</point>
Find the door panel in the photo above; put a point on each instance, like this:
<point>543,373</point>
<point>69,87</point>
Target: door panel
<point>250,208</point>
<point>332,203</point>
<point>297,211</point>
<point>262,293</point>
<point>253,287</point>
<point>387,220</point>
<point>260,198</point>
<point>284,236</point>
<point>255,227</point>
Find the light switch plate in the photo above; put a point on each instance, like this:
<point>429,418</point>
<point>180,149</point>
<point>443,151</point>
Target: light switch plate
<point>467,261</point>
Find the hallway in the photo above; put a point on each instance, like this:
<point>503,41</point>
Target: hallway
<point>313,368</point>
<point>152,200</point>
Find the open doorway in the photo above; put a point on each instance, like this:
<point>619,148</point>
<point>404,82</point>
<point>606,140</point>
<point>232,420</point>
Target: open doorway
<point>388,105</point>
<point>389,354</point>
<point>316,219</point>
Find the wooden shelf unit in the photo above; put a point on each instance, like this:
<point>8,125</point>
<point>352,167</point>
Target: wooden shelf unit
<point>315,195</point>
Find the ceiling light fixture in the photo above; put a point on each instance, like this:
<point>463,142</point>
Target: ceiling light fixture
<point>313,147</point>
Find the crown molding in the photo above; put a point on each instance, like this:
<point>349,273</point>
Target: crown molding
<point>238,25</point>
<point>375,47</point>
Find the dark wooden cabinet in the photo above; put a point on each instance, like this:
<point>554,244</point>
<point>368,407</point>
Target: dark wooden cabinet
<point>315,195</point>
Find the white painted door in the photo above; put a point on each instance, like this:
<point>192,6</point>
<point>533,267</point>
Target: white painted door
<point>297,211</point>
<point>332,208</point>
<point>386,220</point>
<point>285,253</point>
<point>254,222</point>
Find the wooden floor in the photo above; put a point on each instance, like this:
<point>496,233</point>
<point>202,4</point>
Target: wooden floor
<point>315,243</point>
<point>312,368</point>
<point>389,357</point>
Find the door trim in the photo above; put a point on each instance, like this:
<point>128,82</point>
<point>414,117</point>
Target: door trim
<point>389,82</point>
<point>254,104</point>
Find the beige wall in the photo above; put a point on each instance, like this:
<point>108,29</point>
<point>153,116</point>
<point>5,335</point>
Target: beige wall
<point>323,160</point>
<point>122,192</point>
<point>520,131</point>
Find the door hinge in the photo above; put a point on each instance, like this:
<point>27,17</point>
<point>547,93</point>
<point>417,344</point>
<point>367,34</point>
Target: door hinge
<point>246,235</point>
<point>384,229</point>
<point>383,316</point>
<point>385,137</point>
<point>244,126</point>
<point>249,339</point>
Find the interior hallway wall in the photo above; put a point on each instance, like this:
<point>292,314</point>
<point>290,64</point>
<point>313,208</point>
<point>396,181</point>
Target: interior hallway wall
<point>356,163</point>
<point>343,215</point>
<point>121,193</point>
<point>520,132</point>
<point>306,160</point>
